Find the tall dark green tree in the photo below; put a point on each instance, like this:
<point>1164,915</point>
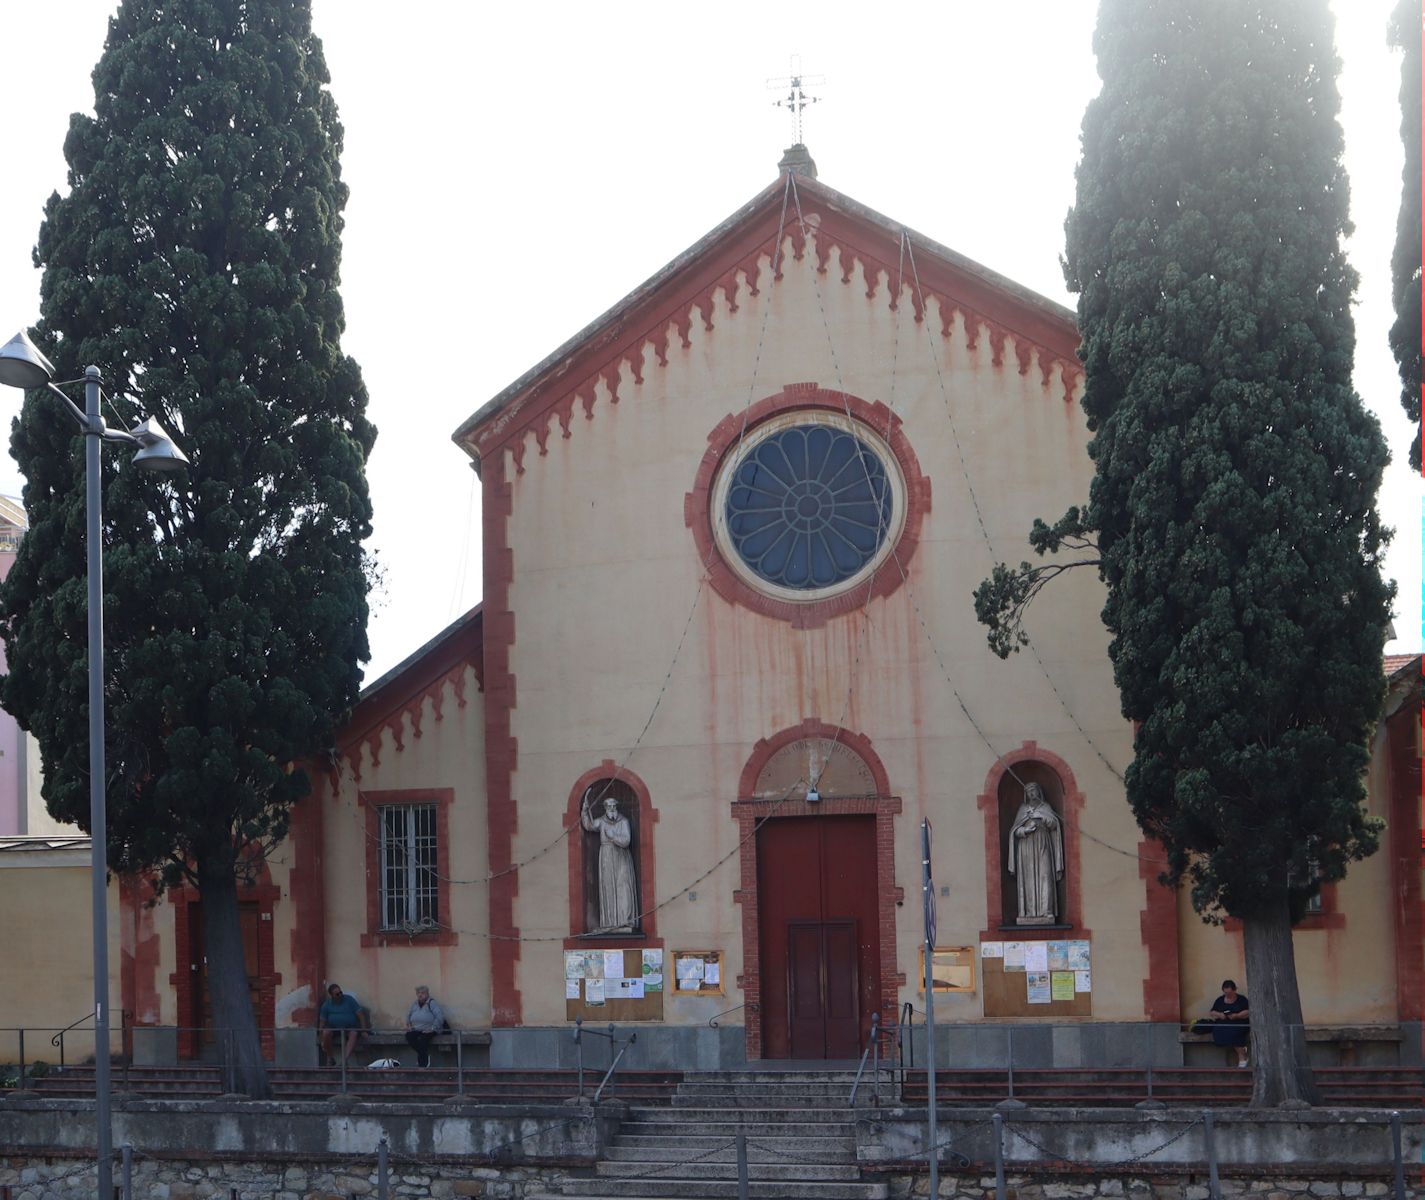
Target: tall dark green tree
<point>1405,334</point>
<point>195,261</point>
<point>1232,510</point>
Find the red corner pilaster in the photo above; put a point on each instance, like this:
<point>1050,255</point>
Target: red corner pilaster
<point>1162,993</point>
<point>138,955</point>
<point>1407,858</point>
<point>500,749</point>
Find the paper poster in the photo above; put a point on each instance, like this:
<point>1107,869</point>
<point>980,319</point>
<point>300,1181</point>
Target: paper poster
<point>1014,956</point>
<point>653,983</point>
<point>1061,985</point>
<point>594,992</point>
<point>991,949</point>
<point>571,989</point>
<point>1038,984</point>
<point>652,963</point>
<point>712,974</point>
<point>574,964</point>
<point>593,964</point>
<point>613,964</point>
<point>1079,956</point>
<point>689,985</point>
<point>1059,956</point>
<point>628,989</point>
<point>689,968</point>
<point>1083,981</point>
<point>1036,956</point>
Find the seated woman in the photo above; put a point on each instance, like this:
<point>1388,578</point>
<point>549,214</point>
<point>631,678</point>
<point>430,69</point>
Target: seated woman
<point>1229,1021</point>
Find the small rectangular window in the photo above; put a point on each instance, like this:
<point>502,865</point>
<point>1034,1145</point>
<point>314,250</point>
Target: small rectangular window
<point>409,883</point>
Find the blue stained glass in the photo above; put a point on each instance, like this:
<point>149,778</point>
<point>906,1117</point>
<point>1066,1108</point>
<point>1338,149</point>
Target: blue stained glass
<point>809,507</point>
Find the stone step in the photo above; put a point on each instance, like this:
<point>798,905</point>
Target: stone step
<point>756,1077</point>
<point>711,1168</point>
<point>689,1188</point>
<point>805,1091</point>
<point>764,1149</point>
<point>773,1113</point>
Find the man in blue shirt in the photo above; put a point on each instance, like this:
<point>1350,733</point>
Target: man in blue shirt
<point>340,1012</point>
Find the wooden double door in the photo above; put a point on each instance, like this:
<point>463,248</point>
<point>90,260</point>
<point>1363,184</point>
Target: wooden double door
<point>820,944</point>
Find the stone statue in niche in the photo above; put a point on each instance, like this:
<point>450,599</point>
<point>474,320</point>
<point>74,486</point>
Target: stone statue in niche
<point>1036,858</point>
<point>618,892</point>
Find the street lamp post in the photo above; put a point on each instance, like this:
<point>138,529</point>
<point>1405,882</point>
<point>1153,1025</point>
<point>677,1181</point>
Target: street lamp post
<point>23,366</point>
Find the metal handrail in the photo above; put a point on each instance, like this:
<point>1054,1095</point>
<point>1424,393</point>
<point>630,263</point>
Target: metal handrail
<point>58,1040</point>
<point>613,1066</point>
<point>873,1045</point>
<point>712,1020</point>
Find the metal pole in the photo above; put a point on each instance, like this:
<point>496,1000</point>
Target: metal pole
<point>98,824</point>
<point>1397,1155</point>
<point>459,1065</point>
<point>1010,1030</point>
<point>21,1080</point>
<point>341,1054</point>
<point>1148,1056</point>
<point>1210,1145</point>
<point>579,1043</point>
<point>998,1119</point>
<point>128,1176</point>
<point>383,1169</point>
<point>876,1053</point>
<point>928,888</point>
<point>742,1189</point>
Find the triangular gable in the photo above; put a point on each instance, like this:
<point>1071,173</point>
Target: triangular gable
<point>401,693</point>
<point>853,244</point>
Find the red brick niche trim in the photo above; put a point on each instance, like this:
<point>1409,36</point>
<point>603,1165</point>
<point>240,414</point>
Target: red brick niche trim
<point>748,811</point>
<point>1071,803</point>
<point>647,818</point>
<point>725,438</point>
<point>373,802</point>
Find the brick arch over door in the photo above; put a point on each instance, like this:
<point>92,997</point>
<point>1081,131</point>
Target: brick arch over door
<point>748,810</point>
<point>1070,809</point>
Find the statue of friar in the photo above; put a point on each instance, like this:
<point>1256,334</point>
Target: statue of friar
<point>1036,858</point>
<point>618,894</point>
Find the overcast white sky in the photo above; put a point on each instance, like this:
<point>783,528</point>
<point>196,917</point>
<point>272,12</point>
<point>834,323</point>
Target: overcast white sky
<point>514,170</point>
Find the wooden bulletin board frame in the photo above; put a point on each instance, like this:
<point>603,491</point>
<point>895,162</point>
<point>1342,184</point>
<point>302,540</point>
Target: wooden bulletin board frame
<point>650,1008</point>
<point>1006,995</point>
<point>708,956</point>
<point>954,969</point>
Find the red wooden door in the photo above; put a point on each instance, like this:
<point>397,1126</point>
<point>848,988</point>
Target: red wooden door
<point>822,989</point>
<point>820,945</point>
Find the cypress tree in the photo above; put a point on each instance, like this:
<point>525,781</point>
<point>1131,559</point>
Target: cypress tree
<point>1405,334</point>
<point>1235,469</point>
<point>195,259</point>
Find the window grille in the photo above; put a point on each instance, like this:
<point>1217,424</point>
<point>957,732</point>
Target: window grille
<point>409,886</point>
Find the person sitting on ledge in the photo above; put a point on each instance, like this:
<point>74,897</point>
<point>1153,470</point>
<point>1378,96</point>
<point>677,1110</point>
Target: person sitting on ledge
<point>424,1020</point>
<point>340,1012</point>
<point>1229,1021</point>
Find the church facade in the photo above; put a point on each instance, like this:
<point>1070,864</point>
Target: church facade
<point>674,772</point>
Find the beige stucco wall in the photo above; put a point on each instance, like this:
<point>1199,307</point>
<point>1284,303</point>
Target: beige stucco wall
<point>47,973</point>
<point>1346,974</point>
<point>606,573</point>
<point>448,753</point>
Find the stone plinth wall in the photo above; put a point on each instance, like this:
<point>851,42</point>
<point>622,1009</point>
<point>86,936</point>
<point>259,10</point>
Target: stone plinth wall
<point>1154,1187</point>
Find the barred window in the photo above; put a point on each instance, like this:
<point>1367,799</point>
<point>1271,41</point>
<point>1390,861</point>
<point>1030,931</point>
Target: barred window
<point>409,884</point>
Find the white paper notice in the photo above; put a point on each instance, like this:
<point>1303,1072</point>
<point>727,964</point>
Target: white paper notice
<point>574,963</point>
<point>712,973</point>
<point>1036,956</point>
<point>1014,956</point>
<point>690,968</point>
<point>571,989</point>
<point>653,983</point>
<point>613,964</point>
<point>991,949</point>
<point>1038,985</point>
<point>689,985</point>
<point>629,989</point>
<point>1083,981</point>
<point>593,991</point>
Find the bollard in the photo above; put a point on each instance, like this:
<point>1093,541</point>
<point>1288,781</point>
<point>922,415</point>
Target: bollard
<point>1011,1061</point>
<point>127,1174</point>
<point>1210,1147</point>
<point>998,1119</point>
<point>876,1053</point>
<point>383,1169</point>
<point>1397,1155</point>
<point>742,1189</point>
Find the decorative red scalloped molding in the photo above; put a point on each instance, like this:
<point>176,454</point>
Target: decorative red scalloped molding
<point>800,397</point>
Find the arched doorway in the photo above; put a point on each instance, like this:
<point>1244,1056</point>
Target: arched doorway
<point>818,894</point>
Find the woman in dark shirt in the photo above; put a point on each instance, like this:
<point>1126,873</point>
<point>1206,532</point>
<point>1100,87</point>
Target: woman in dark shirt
<point>1229,1015</point>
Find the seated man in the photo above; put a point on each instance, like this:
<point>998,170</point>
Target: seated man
<point>343,1013</point>
<point>423,1022</point>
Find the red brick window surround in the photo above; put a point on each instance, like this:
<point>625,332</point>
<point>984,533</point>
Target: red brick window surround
<point>1032,764</point>
<point>885,428</point>
<point>645,818</point>
<point>373,802</point>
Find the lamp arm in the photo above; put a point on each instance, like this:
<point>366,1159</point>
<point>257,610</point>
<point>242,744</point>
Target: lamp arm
<point>74,410</point>
<point>119,435</point>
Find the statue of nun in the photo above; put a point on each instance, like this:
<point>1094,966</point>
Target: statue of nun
<point>618,895</point>
<point>1036,858</point>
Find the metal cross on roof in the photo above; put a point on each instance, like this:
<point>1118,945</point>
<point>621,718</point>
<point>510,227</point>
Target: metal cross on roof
<point>796,98</point>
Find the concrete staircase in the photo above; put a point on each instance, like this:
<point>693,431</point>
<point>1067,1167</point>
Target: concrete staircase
<point>801,1141</point>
